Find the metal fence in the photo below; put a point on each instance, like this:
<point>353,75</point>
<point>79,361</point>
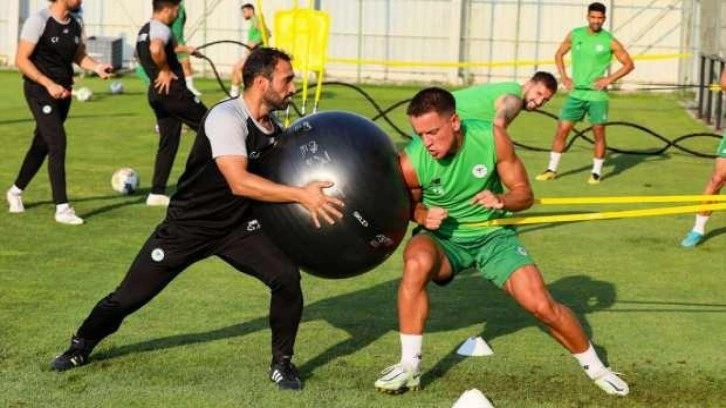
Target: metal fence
<point>449,41</point>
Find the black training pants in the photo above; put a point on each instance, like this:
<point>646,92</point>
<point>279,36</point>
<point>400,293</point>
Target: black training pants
<point>49,139</point>
<point>171,249</point>
<point>171,110</point>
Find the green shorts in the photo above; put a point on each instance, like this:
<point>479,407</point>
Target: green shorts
<point>721,151</point>
<point>177,30</point>
<point>496,255</point>
<point>575,109</point>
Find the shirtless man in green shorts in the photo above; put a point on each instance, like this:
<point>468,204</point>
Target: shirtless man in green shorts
<point>455,171</point>
<point>501,102</point>
<point>592,51</point>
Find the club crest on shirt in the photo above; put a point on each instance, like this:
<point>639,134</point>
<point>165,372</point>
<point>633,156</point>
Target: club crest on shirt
<point>253,225</point>
<point>157,254</point>
<point>47,109</point>
<point>479,171</point>
<point>599,48</point>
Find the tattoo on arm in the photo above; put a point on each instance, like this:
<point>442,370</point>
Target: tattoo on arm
<point>508,109</point>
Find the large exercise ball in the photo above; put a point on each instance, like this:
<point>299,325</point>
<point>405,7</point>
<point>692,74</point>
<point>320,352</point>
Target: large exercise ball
<point>355,154</point>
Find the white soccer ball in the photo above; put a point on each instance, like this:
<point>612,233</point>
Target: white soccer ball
<point>82,94</point>
<point>125,180</point>
<point>116,87</point>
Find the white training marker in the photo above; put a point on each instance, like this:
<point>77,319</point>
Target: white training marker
<point>474,347</point>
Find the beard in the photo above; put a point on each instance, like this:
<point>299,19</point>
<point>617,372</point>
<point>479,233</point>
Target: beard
<point>277,103</point>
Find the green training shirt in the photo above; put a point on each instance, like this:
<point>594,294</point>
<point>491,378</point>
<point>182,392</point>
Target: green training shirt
<point>477,102</point>
<point>452,182</point>
<point>591,57</point>
<point>177,27</point>
<point>254,35</point>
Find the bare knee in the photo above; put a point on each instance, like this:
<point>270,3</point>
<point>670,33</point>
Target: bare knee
<point>717,181</point>
<point>545,310</point>
<point>416,273</point>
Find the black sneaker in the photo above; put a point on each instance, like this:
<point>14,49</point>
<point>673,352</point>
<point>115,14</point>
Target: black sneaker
<point>75,356</point>
<point>284,373</point>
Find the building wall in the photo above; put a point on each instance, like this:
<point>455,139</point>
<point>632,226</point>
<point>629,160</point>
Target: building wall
<point>451,41</point>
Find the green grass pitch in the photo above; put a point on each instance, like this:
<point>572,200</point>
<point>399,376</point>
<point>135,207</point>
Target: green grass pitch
<point>656,311</point>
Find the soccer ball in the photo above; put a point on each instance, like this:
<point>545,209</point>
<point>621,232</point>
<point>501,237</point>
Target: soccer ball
<point>82,94</point>
<point>125,180</point>
<point>116,87</point>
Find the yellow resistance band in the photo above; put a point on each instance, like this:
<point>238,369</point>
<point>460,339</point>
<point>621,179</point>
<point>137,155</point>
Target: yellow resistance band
<point>684,209</point>
<point>629,199</point>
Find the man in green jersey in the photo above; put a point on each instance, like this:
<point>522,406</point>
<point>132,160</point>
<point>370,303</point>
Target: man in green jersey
<point>455,171</point>
<point>254,40</point>
<point>177,30</point>
<point>714,186</point>
<point>501,102</point>
<point>592,51</point>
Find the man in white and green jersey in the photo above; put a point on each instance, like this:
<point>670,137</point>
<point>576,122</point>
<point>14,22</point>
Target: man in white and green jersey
<point>457,172</point>
<point>592,51</point>
<point>501,102</point>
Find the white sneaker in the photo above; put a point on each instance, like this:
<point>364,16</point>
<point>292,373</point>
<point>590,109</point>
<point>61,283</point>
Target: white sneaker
<point>15,202</point>
<point>233,93</point>
<point>68,216</point>
<point>609,382</point>
<point>159,200</point>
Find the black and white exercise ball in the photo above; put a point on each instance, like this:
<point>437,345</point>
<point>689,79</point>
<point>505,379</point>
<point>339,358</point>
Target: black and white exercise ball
<point>357,155</point>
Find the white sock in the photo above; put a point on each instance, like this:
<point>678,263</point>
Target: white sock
<point>62,207</point>
<point>14,190</point>
<point>597,166</point>
<point>589,361</point>
<point>411,350</point>
<point>234,90</point>
<point>554,161</point>
<point>700,225</point>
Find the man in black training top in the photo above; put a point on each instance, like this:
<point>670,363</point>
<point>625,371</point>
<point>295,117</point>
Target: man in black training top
<point>209,215</point>
<point>50,42</point>
<point>169,97</point>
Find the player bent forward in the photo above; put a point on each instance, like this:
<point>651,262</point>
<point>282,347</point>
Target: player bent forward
<point>455,171</point>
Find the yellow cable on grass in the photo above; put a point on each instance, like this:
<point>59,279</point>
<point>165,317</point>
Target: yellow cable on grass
<point>684,209</point>
<point>628,199</point>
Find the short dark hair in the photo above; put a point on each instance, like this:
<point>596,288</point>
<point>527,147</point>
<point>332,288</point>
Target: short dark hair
<point>596,6</point>
<point>160,4</point>
<point>545,78</point>
<point>247,5</point>
<point>262,61</point>
<point>433,99</point>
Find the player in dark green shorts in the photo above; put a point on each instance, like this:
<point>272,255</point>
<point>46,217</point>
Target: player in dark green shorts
<point>592,51</point>
<point>501,102</point>
<point>714,186</point>
<point>456,172</point>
